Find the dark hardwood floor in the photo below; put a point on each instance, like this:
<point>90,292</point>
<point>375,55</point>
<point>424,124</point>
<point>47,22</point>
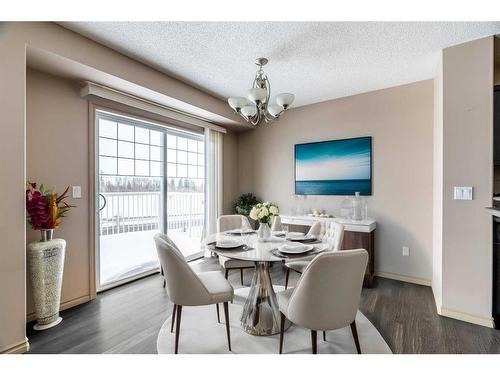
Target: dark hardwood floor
<point>127,319</point>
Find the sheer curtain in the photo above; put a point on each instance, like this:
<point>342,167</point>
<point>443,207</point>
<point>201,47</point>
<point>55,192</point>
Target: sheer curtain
<point>213,189</point>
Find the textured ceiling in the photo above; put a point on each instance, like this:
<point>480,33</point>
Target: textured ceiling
<point>316,61</point>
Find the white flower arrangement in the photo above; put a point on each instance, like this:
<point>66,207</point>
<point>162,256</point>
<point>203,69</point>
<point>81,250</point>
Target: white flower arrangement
<point>264,212</point>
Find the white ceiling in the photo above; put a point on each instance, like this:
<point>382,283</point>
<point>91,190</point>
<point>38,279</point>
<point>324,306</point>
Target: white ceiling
<point>316,61</point>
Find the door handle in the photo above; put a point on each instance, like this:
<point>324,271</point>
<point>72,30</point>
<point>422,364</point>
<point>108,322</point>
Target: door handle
<point>104,205</point>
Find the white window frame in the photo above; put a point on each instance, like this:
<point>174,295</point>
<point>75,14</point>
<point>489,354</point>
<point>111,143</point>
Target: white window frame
<point>94,110</point>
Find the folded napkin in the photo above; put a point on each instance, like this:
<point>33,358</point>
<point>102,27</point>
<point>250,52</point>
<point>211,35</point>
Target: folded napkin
<point>292,247</point>
<point>295,235</point>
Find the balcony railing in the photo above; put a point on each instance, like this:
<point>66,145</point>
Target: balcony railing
<point>134,212</point>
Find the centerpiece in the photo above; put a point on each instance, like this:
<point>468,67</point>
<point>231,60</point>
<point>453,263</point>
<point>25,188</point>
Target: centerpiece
<point>46,257</point>
<point>264,214</point>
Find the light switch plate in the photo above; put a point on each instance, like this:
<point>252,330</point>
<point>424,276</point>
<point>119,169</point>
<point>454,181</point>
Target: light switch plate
<point>77,192</point>
<point>462,193</point>
<point>406,251</point>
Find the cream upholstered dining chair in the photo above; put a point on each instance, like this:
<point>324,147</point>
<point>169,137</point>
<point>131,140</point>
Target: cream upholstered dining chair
<point>315,229</point>
<point>276,225</point>
<point>331,233</point>
<point>187,288</point>
<point>327,295</point>
<point>230,222</point>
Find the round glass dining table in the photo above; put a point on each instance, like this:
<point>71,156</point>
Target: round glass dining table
<point>261,315</point>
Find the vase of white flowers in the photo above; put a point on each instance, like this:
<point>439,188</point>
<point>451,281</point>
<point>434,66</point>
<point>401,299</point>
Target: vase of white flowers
<point>264,214</point>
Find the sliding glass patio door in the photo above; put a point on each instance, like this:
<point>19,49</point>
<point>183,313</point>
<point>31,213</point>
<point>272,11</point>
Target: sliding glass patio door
<point>149,179</point>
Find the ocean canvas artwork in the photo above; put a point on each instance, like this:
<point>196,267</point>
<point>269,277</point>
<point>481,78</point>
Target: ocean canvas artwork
<point>338,167</point>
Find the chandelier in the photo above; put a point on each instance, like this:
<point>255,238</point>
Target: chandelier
<point>258,106</point>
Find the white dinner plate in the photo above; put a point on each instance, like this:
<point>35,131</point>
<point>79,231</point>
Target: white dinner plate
<point>298,250</point>
<point>227,244</point>
<point>295,234</point>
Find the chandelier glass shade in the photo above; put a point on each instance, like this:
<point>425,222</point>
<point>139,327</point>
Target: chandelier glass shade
<point>257,106</point>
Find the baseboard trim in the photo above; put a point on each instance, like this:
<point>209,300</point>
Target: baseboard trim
<point>406,279</point>
<point>64,306</point>
<point>470,318</point>
<point>19,348</point>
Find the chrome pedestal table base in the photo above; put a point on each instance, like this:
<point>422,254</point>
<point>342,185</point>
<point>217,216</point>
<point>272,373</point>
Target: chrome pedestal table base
<point>261,314</point>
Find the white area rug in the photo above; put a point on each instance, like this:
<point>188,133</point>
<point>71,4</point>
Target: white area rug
<point>201,334</point>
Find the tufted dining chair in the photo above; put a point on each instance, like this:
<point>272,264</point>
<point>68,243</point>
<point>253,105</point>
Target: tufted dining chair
<point>187,288</point>
<point>330,233</point>
<point>276,225</point>
<point>230,222</point>
<point>315,229</point>
<point>327,295</point>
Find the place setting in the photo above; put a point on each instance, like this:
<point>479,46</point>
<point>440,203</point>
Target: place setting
<point>296,250</point>
<point>227,244</point>
<point>301,237</point>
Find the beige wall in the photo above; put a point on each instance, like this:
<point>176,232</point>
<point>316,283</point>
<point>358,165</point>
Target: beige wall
<point>437,206</point>
<point>467,126</point>
<point>12,221</point>
<point>57,131</point>
<point>496,59</point>
<point>230,188</point>
<point>57,154</point>
<point>400,120</point>
<point>14,38</point>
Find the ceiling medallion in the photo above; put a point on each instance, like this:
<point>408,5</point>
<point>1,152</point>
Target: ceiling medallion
<point>258,106</point>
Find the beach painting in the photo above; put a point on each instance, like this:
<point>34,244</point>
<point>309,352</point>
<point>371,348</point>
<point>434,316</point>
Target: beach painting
<point>338,167</point>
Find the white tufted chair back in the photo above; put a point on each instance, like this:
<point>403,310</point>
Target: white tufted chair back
<point>332,234</point>
<point>315,229</point>
<point>230,222</point>
<point>276,223</point>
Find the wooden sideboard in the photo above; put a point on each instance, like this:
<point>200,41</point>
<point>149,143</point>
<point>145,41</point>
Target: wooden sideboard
<point>358,234</point>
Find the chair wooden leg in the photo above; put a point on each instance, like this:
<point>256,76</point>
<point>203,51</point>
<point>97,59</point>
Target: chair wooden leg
<point>314,341</point>
<point>218,316</point>
<point>173,318</point>
<point>355,335</point>
<point>226,317</point>
<point>178,328</point>
<point>286,277</point>
<point>282,331</point>
<point>226,272</point>
<point>163,274</point>
<point>324,335</point>
<point>241,275</point>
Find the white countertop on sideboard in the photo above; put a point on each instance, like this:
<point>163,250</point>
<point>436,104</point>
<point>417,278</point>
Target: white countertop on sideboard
<point>493,211</point>
<point>350,225</point>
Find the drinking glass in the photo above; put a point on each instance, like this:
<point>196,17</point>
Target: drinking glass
<point>245,236</point>
<point>284,228</point>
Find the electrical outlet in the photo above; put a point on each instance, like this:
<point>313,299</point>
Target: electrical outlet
<point>77,192</point>
<point>406,251</point>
